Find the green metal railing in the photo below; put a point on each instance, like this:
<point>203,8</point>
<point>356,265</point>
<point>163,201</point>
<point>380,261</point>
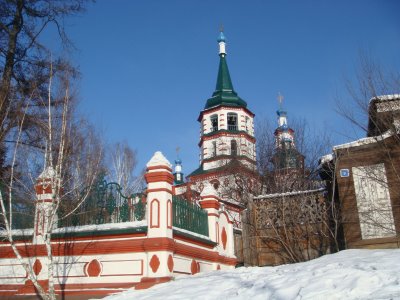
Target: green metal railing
<point>105,203</point>
<point>188,216</point>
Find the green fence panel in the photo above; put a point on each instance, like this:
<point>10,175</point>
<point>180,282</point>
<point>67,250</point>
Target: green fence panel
<point>187,215</point>
<point>104,203</point>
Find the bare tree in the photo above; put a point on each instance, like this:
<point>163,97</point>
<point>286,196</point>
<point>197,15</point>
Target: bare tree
<point>122,163</point>
<point>61,173</point>
<point>289,220</point>
<point>24,70</point>
<point>290,227</point>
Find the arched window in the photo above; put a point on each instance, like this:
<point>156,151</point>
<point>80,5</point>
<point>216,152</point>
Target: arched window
<point>232,121</point>
<point>233,148</point>
<point>214,123</point>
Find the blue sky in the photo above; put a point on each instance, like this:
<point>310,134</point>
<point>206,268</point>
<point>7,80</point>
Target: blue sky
<point>149,66</point>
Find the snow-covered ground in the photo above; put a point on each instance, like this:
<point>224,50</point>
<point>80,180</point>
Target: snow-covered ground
<point>350,274</point>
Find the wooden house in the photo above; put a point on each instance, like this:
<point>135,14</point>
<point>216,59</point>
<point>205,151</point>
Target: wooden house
<point>364,179</point>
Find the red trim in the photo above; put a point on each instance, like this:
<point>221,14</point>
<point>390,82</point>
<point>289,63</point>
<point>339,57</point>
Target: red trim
<point>159,190</point>
<point>46,201</point>
<point>121,246</point>
<point>217,231</point>
<point>37,267</point>
<point>242,134</point>
<point>159,177</point>
<point>223,107</point>
<point>227,217</point>
<point>68,289</point>
<point>169,214</point>
<point>152,205</point>
<point>210,196</point>
<point>92,247</point>
<point>213,215</point>
<point>159,244</point>
<point>202,254</point>
<point>154,263</point>
<point>170,263</point>
<point>192,241</point>
<point>147,282</point>
<point>224,237</point>
<point>159,167</point>
<point>209,204</point>
<point>40,189</point>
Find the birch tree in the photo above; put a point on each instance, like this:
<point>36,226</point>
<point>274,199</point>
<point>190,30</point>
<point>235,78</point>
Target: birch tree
<point>64,176</point>
<point>122,163</point>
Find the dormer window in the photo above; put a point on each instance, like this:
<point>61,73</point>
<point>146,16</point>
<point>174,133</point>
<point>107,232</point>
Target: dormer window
<point>214,123</point>
<point>232,121</point>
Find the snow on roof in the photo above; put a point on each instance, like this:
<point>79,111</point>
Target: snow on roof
<point>366,141</point>
<point>158,159</point>
<point>84,228</point>
<point>204,237</point>
<point>17,232</point>
<point>268,196</point>
<point>326,158</point>
<point>385,97</point>
<point>100,227</point>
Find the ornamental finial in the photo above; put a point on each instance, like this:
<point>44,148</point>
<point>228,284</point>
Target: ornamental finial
<point>221,41</point>
<point>280,100</point>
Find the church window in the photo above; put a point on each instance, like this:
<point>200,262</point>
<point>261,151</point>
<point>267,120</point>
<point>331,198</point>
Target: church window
<point>214,149</point>
<point>232,121</point>
<point>233,148</point>
<point>247,124</point>
<point>214,123</point>
<point>215,183</point>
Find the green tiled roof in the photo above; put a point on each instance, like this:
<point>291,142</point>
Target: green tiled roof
<point>224,93</point>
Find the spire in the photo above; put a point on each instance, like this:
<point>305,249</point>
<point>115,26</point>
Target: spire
<point>282,120</point>
<point>224,92</point>
<point>178,175</point>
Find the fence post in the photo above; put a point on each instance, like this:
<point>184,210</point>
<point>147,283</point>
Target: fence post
<point>159,248</point>
<point>45,198</point>
<point>210,202</point>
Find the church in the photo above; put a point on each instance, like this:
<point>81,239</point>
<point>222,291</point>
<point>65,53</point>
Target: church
<point>228,161</point>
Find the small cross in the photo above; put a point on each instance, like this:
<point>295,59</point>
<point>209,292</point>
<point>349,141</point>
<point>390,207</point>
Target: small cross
<point>280,99</point>
<point>177,151</point>
<point>221,28</point>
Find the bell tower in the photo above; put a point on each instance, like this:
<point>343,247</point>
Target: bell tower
<point>226,124</point>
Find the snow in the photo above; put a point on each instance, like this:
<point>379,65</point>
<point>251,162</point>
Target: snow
<point>204,237</point>
<point>84,228</point>
<point>326,158</point>
<point>100,227</point>
<point>367,140</point>
<point>48,173</point>
<point>386,97</point>
<point>288,194</point>
<point>349,274</point>
<point>158,159</point>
